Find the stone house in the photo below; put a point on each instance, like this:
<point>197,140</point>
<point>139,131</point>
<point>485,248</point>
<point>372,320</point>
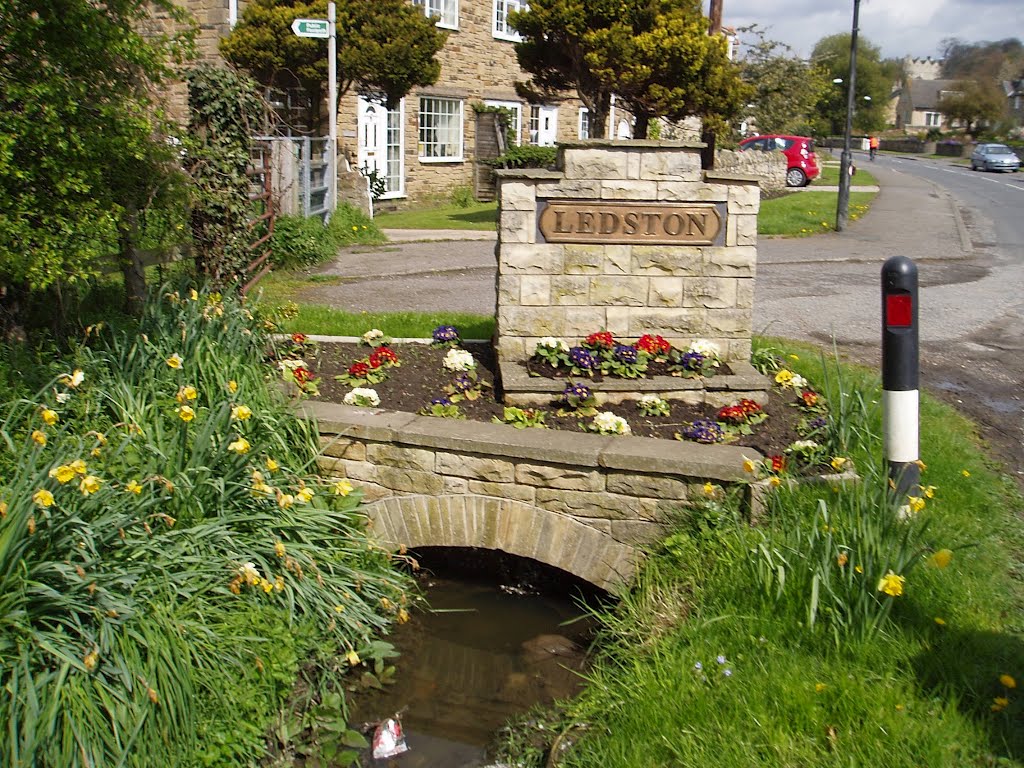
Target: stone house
<point>1014,92</point>
<point>431,143</point>
<point>917,106</point>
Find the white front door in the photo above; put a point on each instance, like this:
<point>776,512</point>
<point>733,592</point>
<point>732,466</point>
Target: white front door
<point>543,125</point>
<point>381,145</point>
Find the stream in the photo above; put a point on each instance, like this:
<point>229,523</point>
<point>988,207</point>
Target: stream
<point>496,637</point>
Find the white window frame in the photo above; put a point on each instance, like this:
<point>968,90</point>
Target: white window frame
<point>516,108</point>
<point>933,119</point>
<point>428,108</point>
<point>499,19</point>
<point>447,11</point>
<point>583,123</point>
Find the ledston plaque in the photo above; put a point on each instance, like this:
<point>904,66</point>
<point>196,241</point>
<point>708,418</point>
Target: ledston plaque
<point>585,221</point>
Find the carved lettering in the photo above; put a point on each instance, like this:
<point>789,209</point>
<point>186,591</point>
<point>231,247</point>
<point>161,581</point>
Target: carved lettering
<point>586,221</point>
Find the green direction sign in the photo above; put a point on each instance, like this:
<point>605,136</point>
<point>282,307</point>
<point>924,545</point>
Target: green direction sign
<point>311,28</point>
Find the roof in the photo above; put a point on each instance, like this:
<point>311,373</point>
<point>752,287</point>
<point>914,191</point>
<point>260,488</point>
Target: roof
<point>926,93</point>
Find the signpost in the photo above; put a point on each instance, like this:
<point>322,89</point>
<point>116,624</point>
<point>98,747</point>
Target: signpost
<point>326,29</point>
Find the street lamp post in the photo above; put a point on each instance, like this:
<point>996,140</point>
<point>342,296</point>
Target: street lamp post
<point>845,164</point>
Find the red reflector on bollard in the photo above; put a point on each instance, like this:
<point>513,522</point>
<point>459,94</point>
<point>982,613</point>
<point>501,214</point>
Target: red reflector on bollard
<point>899,310</point>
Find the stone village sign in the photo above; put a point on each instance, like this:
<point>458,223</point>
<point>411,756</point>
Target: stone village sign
<point>590,221</point>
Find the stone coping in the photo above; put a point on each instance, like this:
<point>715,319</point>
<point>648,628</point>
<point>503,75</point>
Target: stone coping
<point>641,454</point>
<point>732,176</point>
<point>744,378</point>
<point>630,144</point>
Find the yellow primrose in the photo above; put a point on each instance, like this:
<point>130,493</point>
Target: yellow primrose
<point>50,417</point>
<point>63,474</point>
<point>1008,681</point>
<point>342,488</point>
<point>942,558</point>
<point>709,489</point>
<point>89,485</point>
<point>239,446</point>
<point>38,437</point>
<point>241,412</point>
<point>186,393</point>
<point>784,376</point>
<point>43,498</point>
<point>174,361</point>
<point>891,584</point>
<point>133,487</point>
<point>185,413</point>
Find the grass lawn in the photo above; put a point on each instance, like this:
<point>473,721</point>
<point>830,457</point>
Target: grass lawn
<point>800,214</point>
<point>830,177</point>
<point>483,216</point>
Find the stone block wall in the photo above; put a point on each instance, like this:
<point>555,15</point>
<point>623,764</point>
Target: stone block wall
<point>581,502</point>
<point>569,290</point>
<point>769,167</point>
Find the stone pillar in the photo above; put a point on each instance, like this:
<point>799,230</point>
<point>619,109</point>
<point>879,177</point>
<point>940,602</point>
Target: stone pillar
<point>630,237</point>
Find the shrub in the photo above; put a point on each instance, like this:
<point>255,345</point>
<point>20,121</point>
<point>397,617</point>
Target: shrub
<point>300,242</point>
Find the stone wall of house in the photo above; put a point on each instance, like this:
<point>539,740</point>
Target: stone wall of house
<point>585,503</point>
<point>568,290</point>
<point>768,167</point>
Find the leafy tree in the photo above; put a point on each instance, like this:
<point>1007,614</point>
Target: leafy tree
<point>1001,60</point>
<point>385,48</point>
<point>655,55</point>
<point>973,103</point>
<point>786,88</point>
<point>82,148</point>
<point>873,86</point>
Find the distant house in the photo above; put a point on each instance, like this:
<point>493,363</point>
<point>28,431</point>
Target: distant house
<point>1014,90</point>
<point>917,107</point>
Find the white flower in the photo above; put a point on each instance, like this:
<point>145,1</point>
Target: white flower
<point>704,347</point>
<point>459,360</point>
<point>802,445</point>
<point>651,401</point>
<point>607,423</point>
<point>798,381</point>
<point>291,364</point>
<point>250,573</point>
<point>363,396</point>
<point>62,397</point>
<point>550,342</point>
<point>373,335</point>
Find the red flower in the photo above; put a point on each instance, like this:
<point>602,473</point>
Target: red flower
<point>749,407</point>
<point>600,340</point>
<point>302,375</point>
<point>653,345</point>
<point>358,369</point>
<point>382,355</point>
<point>732,414</point>
<point>778,463</point>
<point>810,398</point>
<point>299,338</point>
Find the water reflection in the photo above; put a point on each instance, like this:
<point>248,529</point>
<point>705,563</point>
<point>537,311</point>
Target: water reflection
<point>477,657</point>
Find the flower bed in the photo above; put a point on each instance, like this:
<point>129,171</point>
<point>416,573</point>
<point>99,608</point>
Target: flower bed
<point>449,379</point>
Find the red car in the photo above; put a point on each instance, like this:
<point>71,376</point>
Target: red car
<point>802,164</point>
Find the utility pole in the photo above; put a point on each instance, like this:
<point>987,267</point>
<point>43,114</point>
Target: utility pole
<point>707,155</point>
<point>845,160</point>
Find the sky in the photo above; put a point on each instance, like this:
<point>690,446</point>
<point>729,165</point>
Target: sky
<point>898,27</point>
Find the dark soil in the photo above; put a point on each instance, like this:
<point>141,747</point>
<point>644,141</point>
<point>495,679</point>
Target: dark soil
<point>422,377</point>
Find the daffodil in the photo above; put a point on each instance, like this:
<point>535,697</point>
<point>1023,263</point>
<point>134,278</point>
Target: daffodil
<point>38,437</point>
<point>62,474</point>
<point>186,393</point>
<point>89,485</point>
<point>133,487</point>
<point>279,549</point>
<point>342,488</point>
<point>842,559</point>
<point>232,386</point>
<point>50,417</point>
<point>305,495</point>
<point>999,703</point>
<point>250,573</point>
<point>749,466</point>
<point>1007,681</point>
<point>285,500</point>
<point>241,412</point>
<point>91,660</point>
<point>352,658</point>
<point>942,558</point>
<point>774,482</point>
<point>891,584</point>
<point>43,498</point>
<point>940,621</point>
<point>916,503</point>
<point>73,379</point>
<point>193,294</point>
<point>965,472</point>
<point>185,413</point>
<point>709,490</point>
<point>928,491</point>
<point>838,462</point>
<point>819,687</point>
<point>272,465</point>
<point>240,446</point>
<point>174,361</point>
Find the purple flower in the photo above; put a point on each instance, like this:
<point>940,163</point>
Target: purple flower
<point>462,382</point>
<point>625,353</point>
<point>581,391</point>
<point>441,401</point>
<point>693,361</point>
<point>582,359</point>
<point>727,672</point>
<point>720,659</point>
<point>445,334</point>
<point>817,423</point>
<point>704,431</point>
<point>698,666</point>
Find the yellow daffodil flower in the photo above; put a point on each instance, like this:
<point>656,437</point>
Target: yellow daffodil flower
<point>89,485</point>
<point>1008,681</point>
<point>241,412</point>
<point>709,490</point>
<point>62,474</point>
<point>891,584</point>
<point>928,491</point>
<point>774,482</point>
<point>91,660</point>
<point>842,559</point>
<point>940,621</point>
<point>73,379</point>
<point>916,503</point>
<point>174,361</point>
<point>186,414</point>
<point>942,558</point>
<point>38,437</point>
<point>342,488</point>
<point>232,386</point>
<point>305,495</point>
<point>749,466</point>
<point>838,462</point>
<point>285,500</point>
<point>43,498</point>
<point>50,417</point>
<point>240,446</point>
<point>186,393</point>
<point>279,583</point>
<point>999,703</point>
<point>819,687</point>
<point>193,294</point>
<point>133,487</point>
<point>272,465</point>
<point>279,549</point>
<point>352,658</point>
<point>965,472</point>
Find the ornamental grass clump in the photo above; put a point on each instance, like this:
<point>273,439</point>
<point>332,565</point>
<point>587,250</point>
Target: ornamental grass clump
<point>162,543</point>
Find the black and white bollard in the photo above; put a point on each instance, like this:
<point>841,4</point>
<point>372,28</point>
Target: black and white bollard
<point>900,370</point>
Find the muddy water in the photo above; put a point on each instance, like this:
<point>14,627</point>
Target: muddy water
<point>481,653</point>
